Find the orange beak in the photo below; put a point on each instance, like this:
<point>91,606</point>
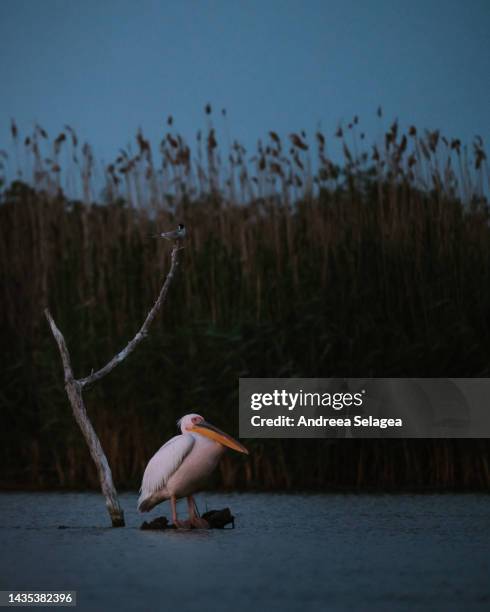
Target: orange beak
<point>213,433</point>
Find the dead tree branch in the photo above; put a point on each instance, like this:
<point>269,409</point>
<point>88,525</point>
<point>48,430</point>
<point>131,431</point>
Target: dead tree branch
<point>141,334</point>
<point>75,387</point>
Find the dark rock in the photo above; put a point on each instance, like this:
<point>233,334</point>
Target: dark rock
<point>217,519</point>
<point>160,522</point>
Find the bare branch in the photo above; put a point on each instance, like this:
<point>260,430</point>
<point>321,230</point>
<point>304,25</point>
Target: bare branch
<point>60,341</point>
<point>74,390</point>
<point>116,513</point>
<point>142,333</point>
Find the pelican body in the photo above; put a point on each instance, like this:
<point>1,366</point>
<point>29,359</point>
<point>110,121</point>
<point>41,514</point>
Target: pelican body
<point>182,465</point>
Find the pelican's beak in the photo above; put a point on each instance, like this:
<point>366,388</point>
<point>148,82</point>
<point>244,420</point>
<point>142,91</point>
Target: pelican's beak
<point>212,432</point>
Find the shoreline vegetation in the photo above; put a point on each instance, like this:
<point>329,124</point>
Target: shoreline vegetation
<point>295,266</point>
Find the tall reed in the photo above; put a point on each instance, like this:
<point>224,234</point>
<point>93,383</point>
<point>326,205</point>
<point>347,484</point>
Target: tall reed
<point>296,265</point>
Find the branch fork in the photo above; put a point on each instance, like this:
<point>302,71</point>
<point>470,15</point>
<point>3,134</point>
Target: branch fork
<point>74,389</point>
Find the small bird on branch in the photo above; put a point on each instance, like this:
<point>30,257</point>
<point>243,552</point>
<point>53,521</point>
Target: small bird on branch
<point>178,234</point>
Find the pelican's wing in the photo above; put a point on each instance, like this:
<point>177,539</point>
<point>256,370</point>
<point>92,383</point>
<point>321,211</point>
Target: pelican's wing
<point>164,463</point>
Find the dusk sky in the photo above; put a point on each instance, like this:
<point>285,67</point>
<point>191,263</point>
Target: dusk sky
<point>109,67</point>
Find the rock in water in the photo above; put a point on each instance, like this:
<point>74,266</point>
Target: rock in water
<point>159,523</point>
<point>217,519</point>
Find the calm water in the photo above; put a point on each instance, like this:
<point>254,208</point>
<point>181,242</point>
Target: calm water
<point>287,552</point>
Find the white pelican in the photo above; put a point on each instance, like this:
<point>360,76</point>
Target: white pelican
<point>181,466</point>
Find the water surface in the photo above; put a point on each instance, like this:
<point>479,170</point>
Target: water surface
<point>287,552</point>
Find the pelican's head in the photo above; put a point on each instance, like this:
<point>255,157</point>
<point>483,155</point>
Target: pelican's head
<point>195,423</point>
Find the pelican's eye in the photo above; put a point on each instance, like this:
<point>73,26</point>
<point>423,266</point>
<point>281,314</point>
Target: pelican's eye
<point>196,420</point>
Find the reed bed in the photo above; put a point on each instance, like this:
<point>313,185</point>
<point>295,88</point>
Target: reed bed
<point>296,265</point>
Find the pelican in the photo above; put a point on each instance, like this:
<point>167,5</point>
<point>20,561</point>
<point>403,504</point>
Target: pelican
<point>181,466</point>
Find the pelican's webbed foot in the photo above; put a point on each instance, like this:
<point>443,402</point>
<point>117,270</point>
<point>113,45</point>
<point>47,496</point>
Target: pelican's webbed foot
<point>199,523</point>
<point>196,521</point>
<point>182,524</point>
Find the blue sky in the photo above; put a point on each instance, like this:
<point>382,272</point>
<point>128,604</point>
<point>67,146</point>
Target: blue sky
<point>108,67</point>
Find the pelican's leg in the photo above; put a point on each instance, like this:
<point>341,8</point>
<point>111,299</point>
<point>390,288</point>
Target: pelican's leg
<point>175,520</point>
<point>195,519</point>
